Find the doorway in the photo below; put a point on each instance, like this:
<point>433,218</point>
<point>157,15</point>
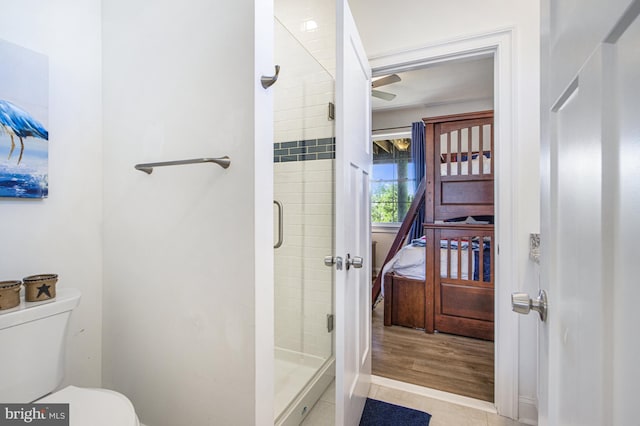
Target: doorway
<point>452,363</point>
<point>499,46</point>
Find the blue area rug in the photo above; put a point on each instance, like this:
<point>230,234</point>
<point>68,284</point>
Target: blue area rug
<point>378,413</point>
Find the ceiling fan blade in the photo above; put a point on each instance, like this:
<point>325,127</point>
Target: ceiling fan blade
<point>393,78</point>
<point>383,95</point>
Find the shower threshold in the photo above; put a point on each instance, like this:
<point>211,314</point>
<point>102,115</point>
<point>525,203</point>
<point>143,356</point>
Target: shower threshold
<point>300,379</point>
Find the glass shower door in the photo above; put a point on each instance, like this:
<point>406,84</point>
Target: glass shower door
<point>304,153</point>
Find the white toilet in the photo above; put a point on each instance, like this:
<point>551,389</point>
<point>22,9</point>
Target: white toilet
<point>32,336</point>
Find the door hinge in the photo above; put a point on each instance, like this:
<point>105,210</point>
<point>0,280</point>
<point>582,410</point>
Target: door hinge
<point>332,111</point>
<point>329,323</point>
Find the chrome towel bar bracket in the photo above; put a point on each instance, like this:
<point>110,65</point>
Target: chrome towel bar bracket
<point>223,162</point>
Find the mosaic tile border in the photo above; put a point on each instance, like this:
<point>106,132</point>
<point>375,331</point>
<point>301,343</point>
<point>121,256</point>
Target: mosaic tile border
<point>306,150</point>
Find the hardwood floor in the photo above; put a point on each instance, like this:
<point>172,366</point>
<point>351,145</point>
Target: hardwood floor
<point>455,364</point>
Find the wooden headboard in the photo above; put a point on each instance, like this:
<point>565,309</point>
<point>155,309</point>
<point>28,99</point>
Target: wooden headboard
<point>460,166</point>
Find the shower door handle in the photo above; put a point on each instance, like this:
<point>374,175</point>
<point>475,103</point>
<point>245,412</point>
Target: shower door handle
<point>280,224</point>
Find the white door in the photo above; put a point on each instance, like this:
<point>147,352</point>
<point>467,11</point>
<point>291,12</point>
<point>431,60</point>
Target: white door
<point>353,231</point>
<point>589,373</point>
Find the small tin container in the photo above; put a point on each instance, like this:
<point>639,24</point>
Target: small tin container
<point>40,287</point>
<point>9,294</point>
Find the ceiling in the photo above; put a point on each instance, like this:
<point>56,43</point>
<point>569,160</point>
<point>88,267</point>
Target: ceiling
<point>450,82</point>
<point>441,83</point>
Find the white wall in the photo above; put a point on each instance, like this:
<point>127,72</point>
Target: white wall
<point>405,24</point>
<point>403,117</point>
<point>188,258</point>
<point>383,237</point>
<point>62,234</point>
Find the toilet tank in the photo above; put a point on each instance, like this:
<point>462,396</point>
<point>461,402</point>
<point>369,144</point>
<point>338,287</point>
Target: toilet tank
<point>32,345</point>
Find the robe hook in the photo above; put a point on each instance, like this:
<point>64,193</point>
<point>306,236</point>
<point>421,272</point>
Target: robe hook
<point>269,81</point>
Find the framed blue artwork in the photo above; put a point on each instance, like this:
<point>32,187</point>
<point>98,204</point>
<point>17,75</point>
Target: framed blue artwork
<point>24,120</point>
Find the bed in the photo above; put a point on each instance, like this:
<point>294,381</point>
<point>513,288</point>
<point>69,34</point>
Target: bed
<point>459,257</point>
<point>454,293</point>
<point>462,272</point>
<point>461,304</point>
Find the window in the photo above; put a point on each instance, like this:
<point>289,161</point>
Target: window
<point>393,182</point>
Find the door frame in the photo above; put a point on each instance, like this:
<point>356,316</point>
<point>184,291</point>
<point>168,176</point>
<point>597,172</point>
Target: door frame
<point>499,45</point>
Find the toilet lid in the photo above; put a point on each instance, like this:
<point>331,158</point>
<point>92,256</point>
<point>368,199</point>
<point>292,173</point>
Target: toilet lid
<point>96,407</point>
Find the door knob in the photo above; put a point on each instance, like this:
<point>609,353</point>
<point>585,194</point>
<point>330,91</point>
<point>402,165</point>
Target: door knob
<point>355,261</point>
<point>523,304</point>
<point>330,261</point>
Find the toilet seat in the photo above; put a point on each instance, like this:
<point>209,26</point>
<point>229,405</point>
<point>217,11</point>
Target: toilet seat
<point>96,407</point>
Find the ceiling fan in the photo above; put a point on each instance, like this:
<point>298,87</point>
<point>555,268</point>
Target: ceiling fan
<point>383,81</point>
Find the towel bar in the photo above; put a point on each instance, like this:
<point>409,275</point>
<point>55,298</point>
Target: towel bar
<point>223,162</point>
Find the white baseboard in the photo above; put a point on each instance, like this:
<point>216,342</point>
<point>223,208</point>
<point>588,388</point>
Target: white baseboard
<point>528,410</point>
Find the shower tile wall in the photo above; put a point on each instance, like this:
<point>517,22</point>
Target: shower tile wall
<point>302,94</point>
<point>304,184</point>
<point>313,24</point>
<point>303,288</point>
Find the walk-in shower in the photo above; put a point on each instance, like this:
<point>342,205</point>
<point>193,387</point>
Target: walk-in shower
<point>304,153</point>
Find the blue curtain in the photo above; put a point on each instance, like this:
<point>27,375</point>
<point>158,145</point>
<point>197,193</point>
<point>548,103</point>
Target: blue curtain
<point>418,158</point>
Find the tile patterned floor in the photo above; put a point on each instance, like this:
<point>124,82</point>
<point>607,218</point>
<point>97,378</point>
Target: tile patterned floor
<point>323,413</point>
<point>443,413</point>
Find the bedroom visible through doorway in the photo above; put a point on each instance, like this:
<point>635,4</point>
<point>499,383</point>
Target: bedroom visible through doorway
<point>443,361</point>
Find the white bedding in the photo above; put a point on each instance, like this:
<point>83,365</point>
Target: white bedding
<point>464,263</point>
<point>464,167</point>
<point>409,262</point>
